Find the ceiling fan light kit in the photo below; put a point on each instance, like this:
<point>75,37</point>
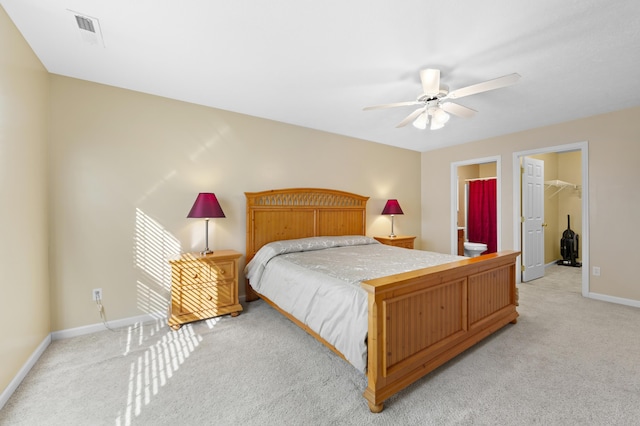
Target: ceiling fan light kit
<point>434,115</point>
<point>422,121</point>
<point>434,105</point>
<point>439,116</point>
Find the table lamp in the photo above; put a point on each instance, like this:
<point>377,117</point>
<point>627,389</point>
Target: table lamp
<point>393,208</point>
<point>206,206</point>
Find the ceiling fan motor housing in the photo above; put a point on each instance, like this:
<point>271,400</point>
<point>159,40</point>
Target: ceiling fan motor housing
<point>444,91</point>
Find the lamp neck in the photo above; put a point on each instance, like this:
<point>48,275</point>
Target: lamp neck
<point>206,238</point>
<point>392,235</point>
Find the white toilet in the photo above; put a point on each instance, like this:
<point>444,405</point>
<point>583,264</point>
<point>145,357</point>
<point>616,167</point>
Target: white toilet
<point>474,249</point>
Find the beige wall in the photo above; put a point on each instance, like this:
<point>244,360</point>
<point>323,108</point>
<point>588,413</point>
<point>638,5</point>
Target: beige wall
<point>24,286</point>
<point>613,196</point>
<point>126,168</point>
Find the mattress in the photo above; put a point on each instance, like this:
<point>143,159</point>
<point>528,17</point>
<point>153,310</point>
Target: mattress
<point>317,281</point>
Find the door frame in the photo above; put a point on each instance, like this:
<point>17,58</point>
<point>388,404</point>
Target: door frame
<point>583,147</point>
<point>454,197</point>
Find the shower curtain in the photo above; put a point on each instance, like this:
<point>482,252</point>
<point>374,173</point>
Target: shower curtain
<point>482,218</point>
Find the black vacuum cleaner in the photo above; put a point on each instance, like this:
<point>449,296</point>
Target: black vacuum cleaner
<point>569,244</point>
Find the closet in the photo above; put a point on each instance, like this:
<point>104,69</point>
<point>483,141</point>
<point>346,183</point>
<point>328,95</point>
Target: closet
<point>562,197</point>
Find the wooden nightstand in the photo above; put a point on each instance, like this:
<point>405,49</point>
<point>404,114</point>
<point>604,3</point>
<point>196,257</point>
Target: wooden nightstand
<point>404,241</point>
<point>203,286</point>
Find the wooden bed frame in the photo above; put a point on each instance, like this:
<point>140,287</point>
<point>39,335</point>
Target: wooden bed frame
<point>418,320</point>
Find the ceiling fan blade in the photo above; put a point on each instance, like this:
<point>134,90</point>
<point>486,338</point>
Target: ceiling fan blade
<point>411,117</point>
<point>459,110</point>
<point>430,79</point>
<point>496,83</point>
<point>397,104</point>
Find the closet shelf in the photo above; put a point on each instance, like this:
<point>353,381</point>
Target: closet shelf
<point>561,185</point>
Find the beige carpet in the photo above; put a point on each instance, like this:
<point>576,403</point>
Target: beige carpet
<point>568,361</point>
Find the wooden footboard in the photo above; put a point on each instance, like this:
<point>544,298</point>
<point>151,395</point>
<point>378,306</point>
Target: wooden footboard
<point>419,320</point>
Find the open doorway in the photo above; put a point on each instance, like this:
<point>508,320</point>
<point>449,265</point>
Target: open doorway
<point>463,172</point>
<point>566,194</point>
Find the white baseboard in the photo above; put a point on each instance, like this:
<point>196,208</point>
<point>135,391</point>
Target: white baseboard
<point>94,328</point>
<point>613,299</point>
<point>13,385</point>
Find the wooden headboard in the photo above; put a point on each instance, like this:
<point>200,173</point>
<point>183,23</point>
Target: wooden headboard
<point>285,214</point>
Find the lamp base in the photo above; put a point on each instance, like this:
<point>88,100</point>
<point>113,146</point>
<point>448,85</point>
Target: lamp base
<point>206,251</point>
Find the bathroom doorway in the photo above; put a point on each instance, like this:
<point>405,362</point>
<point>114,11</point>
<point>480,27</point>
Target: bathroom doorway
<point>463,172</point>
<point>565,194</point>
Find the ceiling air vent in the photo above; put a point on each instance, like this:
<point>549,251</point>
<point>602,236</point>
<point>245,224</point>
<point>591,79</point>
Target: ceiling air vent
<point>88,28</point>
<point>85,23</point>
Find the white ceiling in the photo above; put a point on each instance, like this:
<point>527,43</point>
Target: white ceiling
<point>318,63</point>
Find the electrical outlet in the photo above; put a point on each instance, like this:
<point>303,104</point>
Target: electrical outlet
<point>97,294</point>
<point>596,271</point>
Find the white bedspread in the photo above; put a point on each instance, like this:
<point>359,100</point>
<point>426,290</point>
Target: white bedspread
<point>317,280</point>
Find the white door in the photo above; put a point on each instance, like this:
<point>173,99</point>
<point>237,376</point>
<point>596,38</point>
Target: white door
<point>532,219</point>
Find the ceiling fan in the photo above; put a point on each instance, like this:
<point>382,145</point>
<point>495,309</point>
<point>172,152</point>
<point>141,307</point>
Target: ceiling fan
<point>434,101</point>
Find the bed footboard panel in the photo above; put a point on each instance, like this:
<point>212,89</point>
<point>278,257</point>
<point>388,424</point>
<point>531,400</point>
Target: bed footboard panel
<point>421,319</point>
<point>417,324</point>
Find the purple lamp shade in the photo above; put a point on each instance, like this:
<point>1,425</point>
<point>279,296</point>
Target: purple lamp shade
<point>392,207</point>
<point>206,206</point>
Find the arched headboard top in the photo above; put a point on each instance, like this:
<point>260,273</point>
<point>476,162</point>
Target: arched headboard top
<point>285,214</point>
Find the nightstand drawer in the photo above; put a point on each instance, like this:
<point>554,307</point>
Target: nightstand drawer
<point>196,298</point>
<point>192,273</point>
<point>186,300</point>
<point>223,270</point>
<point>216,296</point>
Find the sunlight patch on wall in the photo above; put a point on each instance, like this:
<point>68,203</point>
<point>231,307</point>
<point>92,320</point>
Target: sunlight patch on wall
<point>219,135</point>
<point>153,245</point>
